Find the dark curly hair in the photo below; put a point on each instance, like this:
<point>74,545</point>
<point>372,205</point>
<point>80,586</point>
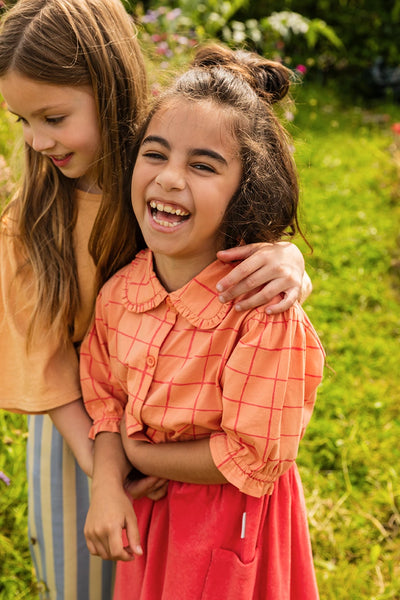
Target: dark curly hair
<point>265,206</point>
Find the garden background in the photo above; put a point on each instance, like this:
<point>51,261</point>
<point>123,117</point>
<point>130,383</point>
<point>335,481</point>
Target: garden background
<point>345,124</point>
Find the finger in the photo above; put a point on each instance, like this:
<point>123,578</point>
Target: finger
<point>160,483</point>
<point>284,304</point>
<point>140,487</point>
<point>158,493</point>
<point>132,537</point>
<point>257,300</point>
<point>238,253</point>
<point>249,274</point>
<point>92,547</point>
<point>97,548</point>
<point>119,548</point>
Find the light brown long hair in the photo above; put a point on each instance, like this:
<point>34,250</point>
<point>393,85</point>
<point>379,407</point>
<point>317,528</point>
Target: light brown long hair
<point>75,43</point>
<point>245,85</point>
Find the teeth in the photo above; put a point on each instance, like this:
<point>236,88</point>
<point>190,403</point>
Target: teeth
<point>165,223</point>
<point>168,209</point>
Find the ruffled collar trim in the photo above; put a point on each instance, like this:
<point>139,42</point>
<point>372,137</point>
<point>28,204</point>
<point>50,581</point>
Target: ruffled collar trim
<point>197,301</point>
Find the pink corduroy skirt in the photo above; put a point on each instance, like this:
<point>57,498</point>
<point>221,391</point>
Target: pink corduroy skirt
<point>211,542</point>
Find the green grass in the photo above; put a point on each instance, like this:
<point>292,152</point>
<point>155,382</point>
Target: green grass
<point>350,456</point>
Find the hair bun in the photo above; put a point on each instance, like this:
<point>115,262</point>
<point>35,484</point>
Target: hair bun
<point>268,78</point>
<point>273,78</point>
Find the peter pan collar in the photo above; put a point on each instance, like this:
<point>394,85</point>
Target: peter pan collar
<point>197,301</point>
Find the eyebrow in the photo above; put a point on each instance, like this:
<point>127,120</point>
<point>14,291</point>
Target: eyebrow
<point>37,112</point>
<point>193,152</point>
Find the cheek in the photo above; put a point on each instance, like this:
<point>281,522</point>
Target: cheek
<point>93,141</point>
<point>142,176</point>
<point>27,135</point>
<point>134,183</point>
<point>136,197</point>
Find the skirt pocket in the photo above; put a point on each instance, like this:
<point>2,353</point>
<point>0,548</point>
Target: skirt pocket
<point>229,578</point>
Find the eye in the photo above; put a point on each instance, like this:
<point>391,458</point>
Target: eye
<point>204,167</point>
<point>22,120</point>
<point>153,155</point>
<point>54,120</point>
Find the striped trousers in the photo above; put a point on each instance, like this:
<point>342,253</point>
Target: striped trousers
<point>58,500</point>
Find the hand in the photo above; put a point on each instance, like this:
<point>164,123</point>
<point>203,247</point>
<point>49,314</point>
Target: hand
<point>140,485</point>
<point>267,272</point>
<point>154,488</point>
<point>110,517</point>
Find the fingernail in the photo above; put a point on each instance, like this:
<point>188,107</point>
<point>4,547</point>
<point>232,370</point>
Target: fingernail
<point>238,307</point>
<point>221,298</point>
<point>138,550</point>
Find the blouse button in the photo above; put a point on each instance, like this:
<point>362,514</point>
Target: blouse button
<point>150,361</point>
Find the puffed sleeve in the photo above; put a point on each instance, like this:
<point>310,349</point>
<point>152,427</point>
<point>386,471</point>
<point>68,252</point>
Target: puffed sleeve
<point>103,395</point>
<point>45,376</point>
<point>269,389</point>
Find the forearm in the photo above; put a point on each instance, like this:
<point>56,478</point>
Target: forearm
<point>189,462</point>
<point>73,423</point>
<point>111,466</point>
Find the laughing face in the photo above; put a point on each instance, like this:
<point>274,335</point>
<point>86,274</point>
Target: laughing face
<point>187,170</point>
<point>57,121</point>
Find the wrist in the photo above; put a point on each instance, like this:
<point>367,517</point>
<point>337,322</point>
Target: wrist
<point>133,452</point>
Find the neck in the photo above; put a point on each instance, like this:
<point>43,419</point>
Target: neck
<point>174,272</point>
<point>88,184</point>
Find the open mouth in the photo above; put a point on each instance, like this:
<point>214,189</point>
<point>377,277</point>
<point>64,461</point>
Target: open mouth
<point>60,161</point>
<point>167,215</point>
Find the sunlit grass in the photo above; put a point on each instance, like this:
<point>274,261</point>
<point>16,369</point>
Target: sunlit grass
<point>350,457</point>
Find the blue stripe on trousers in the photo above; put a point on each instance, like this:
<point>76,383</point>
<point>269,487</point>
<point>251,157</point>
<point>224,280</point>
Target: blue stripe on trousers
<point>55,453</point>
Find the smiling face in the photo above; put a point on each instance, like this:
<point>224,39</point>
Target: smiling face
<point>59,122</point>
<point>187,170</point>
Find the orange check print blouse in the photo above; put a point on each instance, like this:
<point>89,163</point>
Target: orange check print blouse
<point>183,366</point>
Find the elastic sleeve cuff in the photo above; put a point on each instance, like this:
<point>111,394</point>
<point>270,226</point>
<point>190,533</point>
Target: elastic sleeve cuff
<point>105,425</point>
<point>236,472</point>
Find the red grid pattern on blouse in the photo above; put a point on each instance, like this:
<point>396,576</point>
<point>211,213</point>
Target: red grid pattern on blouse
<point>249,381</point>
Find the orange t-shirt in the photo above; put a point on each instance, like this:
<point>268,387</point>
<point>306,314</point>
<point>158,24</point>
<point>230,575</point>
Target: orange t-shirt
<point>46,376</point>
<point>183,366</point>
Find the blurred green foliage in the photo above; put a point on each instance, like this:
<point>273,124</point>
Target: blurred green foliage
<point>328,37</point>
<point>356,40</point>
<point>185,22</point>
<point>367,28</point>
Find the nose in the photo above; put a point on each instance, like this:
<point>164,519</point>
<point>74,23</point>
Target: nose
<point>171,177</point>
<point>39,140</point>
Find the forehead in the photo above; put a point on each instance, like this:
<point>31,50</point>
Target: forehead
<point>25,95</point>
<point>200,123</point>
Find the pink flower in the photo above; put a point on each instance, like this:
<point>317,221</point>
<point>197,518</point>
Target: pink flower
<point>301,69</point>
<point>4,478</point>
<point>396,128</point>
